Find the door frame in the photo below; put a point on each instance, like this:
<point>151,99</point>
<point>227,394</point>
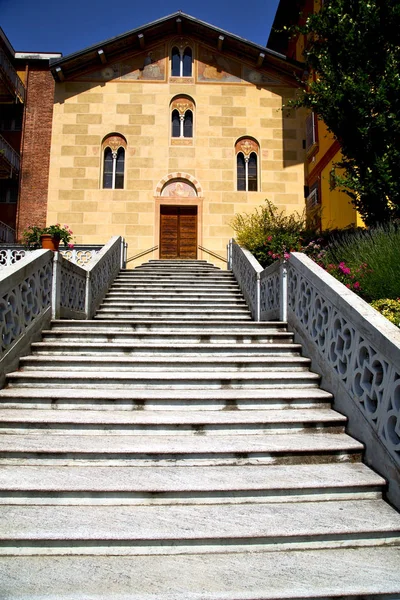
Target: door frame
<point>177,201</point>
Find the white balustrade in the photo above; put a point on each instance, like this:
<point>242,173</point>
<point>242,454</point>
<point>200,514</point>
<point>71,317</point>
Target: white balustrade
<point>80,254</point>
<point>102,271</point>
<point>44,284</point>
<point>356,350</point>
<point>359,347</point>
<point>246,270</point>
<point>25,300</point>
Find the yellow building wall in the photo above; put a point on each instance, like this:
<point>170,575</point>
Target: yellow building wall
<point>337,211</point>
<point>85,112</point>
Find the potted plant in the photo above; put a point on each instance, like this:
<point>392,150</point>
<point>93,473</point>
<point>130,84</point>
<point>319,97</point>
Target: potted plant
<point>47,237</point>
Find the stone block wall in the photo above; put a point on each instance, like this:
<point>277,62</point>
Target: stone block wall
<point>85,112</point>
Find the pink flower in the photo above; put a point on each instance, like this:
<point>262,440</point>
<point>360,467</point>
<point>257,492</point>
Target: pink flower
<point>345,270</point>
<point>286,255</point>
<point>356,285</point>
<point>70,246</point>
<point>269,238</point>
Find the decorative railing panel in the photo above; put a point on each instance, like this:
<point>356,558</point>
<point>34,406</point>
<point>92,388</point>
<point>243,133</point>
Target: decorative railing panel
<point>9,256</point>
<point>69,289</point>
<point>356,349</point>
<point>360,346</point>
<point>270,292</point>
<point>246,270</point>
<point>81,255</point>
<point>24,295</point>
<point>25,300</point>
<point>103,270</point>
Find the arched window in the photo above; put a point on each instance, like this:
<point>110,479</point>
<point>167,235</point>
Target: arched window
<point>182,117</point>
<point>181,61</point>
<point>114,147</point>
<point>247,151</point>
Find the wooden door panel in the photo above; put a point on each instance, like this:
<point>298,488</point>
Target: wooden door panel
<point>168,235</point>
<point>178,232</point>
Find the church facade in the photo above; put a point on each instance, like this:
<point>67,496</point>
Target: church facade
<point>163,134</point>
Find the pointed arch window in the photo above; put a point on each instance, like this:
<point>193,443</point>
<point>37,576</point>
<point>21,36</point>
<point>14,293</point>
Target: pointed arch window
<point>114,147</point>
<point>181,61</point>
<point>182,117</point>
<point>247,151</point>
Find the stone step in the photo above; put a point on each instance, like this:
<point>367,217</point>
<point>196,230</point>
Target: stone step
<point>164,287</point>
<point>367,573</point>
<point>179,399</point>
<point>156,335</point>
<point>243,327</point>
<point>164,380</point>
<point>52,346</point>
<point>174,314</point>
<point>177,276</point>
<point>167,301</point>
<point>166,530</point>
<point>158,363</point>
<point>169,270</point>
<point>144,450</point>
<point>176,294</point>
<point>187,485</point>
<point>233,422</point>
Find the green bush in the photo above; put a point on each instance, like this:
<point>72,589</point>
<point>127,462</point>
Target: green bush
<point>389,309</point>
<point>371,257</point>
<point>269,234</point>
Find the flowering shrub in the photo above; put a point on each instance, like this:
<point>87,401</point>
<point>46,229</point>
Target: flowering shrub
<point>389,309</point>
<point>352,278</point>
<point>32,234</point>
<point>269,234</point>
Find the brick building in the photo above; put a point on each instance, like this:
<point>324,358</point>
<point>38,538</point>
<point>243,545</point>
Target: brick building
<point>26,112</point>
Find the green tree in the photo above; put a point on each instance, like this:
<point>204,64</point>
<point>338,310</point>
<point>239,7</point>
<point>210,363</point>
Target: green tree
<point>354,50</point>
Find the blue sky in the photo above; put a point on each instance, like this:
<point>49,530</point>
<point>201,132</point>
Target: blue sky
<point>56,26</point>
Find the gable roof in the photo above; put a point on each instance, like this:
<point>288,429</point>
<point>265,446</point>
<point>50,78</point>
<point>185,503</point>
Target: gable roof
<point>177,23</point>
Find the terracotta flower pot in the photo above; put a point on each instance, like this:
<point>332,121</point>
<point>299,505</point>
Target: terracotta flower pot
<point>49,242</point>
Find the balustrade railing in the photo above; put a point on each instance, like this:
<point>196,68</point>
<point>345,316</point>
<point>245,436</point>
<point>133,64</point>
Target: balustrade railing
<point>7,234</point>
<point>80,255</point>
<point>355,348</point>
<point>12,76</point>
<point>9,154</point>
<point>246,270</point>
<point>25,305</point>
<point>44,285</point>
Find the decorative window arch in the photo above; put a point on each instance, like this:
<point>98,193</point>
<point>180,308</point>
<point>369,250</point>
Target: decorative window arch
<point>247,151</point>
<point>181,59</point>
<point>182,113</point>
<point>113,150</point>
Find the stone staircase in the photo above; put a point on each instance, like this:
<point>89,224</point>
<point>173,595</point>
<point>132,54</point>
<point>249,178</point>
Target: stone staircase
<point>174,449</point>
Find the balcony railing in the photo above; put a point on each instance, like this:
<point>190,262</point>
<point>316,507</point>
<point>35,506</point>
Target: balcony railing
<point>11,76</point>
<point>8,153</point>
<point>7,234</point>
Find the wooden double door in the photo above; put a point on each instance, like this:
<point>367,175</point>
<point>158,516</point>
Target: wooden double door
<point>178,232</point>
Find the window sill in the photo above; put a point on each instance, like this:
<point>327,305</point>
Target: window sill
<point>181,80</point>
<point>182,142</point>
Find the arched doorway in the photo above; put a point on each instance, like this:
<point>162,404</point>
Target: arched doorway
<point>178,221</point>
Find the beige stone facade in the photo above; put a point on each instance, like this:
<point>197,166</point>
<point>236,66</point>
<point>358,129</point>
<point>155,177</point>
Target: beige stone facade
<point>228,106</point>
